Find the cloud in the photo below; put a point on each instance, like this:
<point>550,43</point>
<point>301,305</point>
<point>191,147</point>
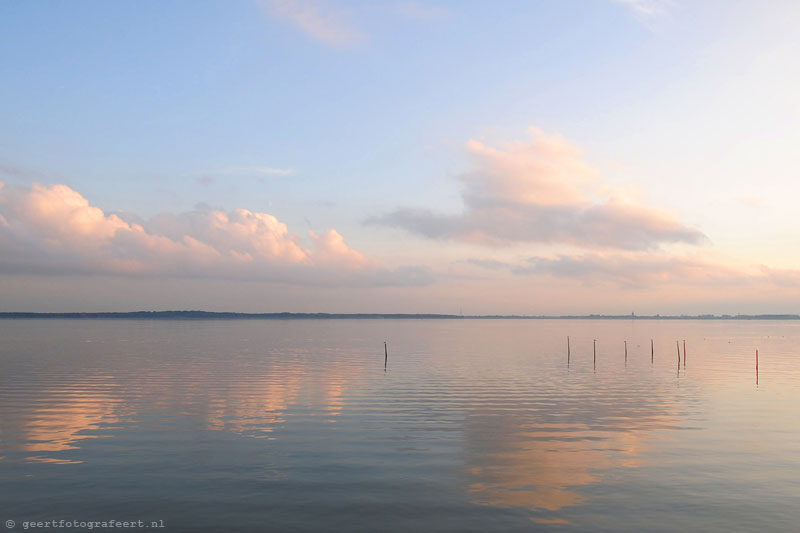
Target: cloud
<point>8,168</point>
<point>54,230</point>
<point>316,19</point>
<point>637,270</point>
<point>542,191</point>
<point>782,277</point>
<point>640,269</point>
<point>260,171</point>
<point>646,9</point>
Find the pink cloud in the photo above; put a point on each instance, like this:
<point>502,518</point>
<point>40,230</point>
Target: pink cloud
<point>54,229</point>
<point>542,191</point>
<point>547,170</point>
<point>641,269</point>
<point>644,269</point>
<point>330,249</point>
<point>316,19</point>
<point>782,277</point>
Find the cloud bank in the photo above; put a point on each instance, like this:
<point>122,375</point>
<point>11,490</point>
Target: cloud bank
<point>645,270</point>
<point>541,191</point>
<point>54,230</point>
<point>631,269</point>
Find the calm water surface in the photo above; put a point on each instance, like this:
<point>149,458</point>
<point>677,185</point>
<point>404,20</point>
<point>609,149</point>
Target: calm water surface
<point>475,425</point>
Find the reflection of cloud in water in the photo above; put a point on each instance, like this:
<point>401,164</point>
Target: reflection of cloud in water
<point>60,418</point>
<point>254,407</point>
<point>556,521</point>
<point>248,405</point>
<point>518,461</point>
<point>332,395</point>
<point>536,476</point>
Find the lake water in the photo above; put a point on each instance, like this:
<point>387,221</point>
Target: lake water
<point>474,425</point>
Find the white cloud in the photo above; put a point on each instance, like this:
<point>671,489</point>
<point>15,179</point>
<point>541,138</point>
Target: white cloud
<point>54,230</point>
<point>542,191</point>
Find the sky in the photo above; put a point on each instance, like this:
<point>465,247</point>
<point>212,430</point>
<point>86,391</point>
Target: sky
<point>475,157</point>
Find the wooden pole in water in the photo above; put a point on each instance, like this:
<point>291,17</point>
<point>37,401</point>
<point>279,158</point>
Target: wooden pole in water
<point>568,352</point>
<point>756,367</point>
<point>626,351</point>
<point>385,355</point>
<point>684,353</point>
<point>678,346</point>
<point>652,352</point>
<point>594,353</point>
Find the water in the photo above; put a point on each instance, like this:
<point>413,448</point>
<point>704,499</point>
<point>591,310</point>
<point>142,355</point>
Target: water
<point>475,425</point>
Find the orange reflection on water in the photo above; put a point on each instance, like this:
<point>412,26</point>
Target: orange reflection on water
<point>331,396</point>
<point>60,419</point>
<point>254,407</point>
<point>542,469</point>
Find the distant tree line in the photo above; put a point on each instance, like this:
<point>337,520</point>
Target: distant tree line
<point>210,315</point>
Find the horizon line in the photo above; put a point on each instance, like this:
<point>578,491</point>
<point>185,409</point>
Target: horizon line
<point>286,315</point>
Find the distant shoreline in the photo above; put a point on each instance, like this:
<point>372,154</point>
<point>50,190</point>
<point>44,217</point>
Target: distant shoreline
<point>210,315</point>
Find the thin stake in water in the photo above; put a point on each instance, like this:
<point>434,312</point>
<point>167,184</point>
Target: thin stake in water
<point>684,353</point>
<point>568,352</point>
<point>594,353</point>
<point>678,346</point>
<point>385,355</point>
<point>756,367</point>
<point>652,352</point>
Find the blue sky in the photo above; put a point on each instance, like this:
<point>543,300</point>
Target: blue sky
<point>327,114</point>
